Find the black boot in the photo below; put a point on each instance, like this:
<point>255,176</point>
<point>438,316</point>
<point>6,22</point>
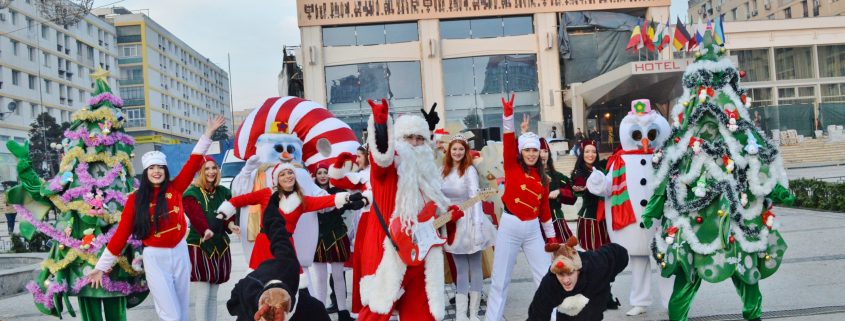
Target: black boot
<point>613,303</point>
<point>343,315</point>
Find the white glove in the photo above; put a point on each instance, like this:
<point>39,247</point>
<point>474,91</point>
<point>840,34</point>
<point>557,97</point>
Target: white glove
<point>596,184</point>
<point>251,164</point>
<point>573,305</point>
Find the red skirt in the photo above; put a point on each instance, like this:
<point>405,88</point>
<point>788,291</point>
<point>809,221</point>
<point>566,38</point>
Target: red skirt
<point>213,268</point>
<point>592,234</point>
<point>562,230</point>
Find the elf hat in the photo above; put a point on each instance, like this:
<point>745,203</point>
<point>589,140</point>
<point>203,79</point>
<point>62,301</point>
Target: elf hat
<point>544,144</point>
<point>566,260</point>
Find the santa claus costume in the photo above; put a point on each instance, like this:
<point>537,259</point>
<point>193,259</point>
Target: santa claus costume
<point>402,161</point>
<point>526,200</point>
<point>469,235</point>
<point>292,205</point>
<point>162,231</point>
<point>355,178</point>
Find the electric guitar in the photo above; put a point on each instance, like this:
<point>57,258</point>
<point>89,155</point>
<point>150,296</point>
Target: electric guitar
<point>414,245</point>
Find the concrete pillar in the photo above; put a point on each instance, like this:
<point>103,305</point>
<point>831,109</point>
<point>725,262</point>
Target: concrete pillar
<point>579,111</point>
<point>431,65</point>
<point>313,64</point>
<point>548,75</point>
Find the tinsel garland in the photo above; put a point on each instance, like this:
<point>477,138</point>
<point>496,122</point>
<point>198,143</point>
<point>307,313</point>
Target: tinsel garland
<point>105,181</point>
<point>73,254</point>
<point>122,287</point>
<point>45,298</point>
<point>706,78</point>
<point>96,116</point>
<point>78,154</point>
<point>83,208</point>
<point>99,138</point>
<point>107,96</point>
<point>80,191</point>
<point>65,240</point>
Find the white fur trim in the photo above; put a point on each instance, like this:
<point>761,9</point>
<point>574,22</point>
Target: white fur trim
<point>380,290</point>
<point>573,305</point>
<point>227,209</point>
<point>340,199</point>
<point>507,124</point>
<point>106,261</point>
<point>548,229</point>
<point>410,124</point>
<point>434,283</point>
<point>340,173</point>
<point>303,279</point>
<point>386,158</point>
<point>202,146</point>
<point>289,203</point>
<point>597,183</point>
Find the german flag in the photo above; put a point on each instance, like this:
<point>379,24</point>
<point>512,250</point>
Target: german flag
<point>681,36</point>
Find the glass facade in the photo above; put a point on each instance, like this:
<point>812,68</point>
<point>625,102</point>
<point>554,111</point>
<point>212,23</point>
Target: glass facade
<point>794,63</point>
<point>486,27</point>
<point>755,62</point>
<point>832,61</point>
<point>349,86</point>
<point>474,86</point>
<point>367,35</point>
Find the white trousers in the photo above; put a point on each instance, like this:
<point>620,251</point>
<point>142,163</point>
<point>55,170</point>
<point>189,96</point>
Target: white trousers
<point>205,300</point>
<point>513,235</point>
<point>321,283</point>
<point>245,243</point>
<point>168,272</point>
<point>641,280</point>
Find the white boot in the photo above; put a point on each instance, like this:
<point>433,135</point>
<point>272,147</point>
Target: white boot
<point>461,307</point>
<point>637,310</point>
<point>474,305</point>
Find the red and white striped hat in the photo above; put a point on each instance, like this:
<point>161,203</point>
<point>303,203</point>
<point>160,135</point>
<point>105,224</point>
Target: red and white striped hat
<point>306,119</point>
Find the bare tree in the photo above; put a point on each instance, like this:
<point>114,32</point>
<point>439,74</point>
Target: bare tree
<point>64,12</point>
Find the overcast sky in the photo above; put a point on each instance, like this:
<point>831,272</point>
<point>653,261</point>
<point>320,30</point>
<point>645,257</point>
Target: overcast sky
<point>253,32</point>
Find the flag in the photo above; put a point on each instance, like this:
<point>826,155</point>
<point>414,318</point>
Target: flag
<point>719,34</point>
<point>663,37</point>
<point>693,40</point>
<point>699,32</point>
<point>635,41</point>
<point>647,33</point>
<point>681,36</point>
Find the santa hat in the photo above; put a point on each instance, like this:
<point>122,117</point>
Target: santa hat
<point>529,140</point>
<point>153,158</point>
<point>207,158</point>
<point>278,170</point>
<point>441,134</point>
<point>407,125</point>
<point>544,144</point>
<point>566,259</point>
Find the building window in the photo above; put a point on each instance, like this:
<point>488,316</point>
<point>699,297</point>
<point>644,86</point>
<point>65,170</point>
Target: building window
<point>832,61</point>
<point>474,87</point>
<point>31,51</point>
<point>760,97</point>
<point>755,62</point>
<point>486,27</point>
<point>45,30</point>
<point>787,13</point>
<point>350,86</point>
<point>733,13</point>
<point>135,117</point>
<point>129,51</point>
<point>796,95</point>
<point>16,77</point>
<point>14,47</point>
<point>131,75</point>
<point>833,93</point>
<point>32,80</point>
<point>794,63</point>
<point>366,35</point>
<point>47,85</point>
<point>126,34</point>
<point>14,17</point>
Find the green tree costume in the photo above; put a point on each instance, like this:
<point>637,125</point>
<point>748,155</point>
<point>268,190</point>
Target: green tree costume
<point>719,177</point>
<point>89,193</point>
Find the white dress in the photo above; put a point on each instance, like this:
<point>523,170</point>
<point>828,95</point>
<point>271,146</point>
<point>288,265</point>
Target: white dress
<point>474,231</point>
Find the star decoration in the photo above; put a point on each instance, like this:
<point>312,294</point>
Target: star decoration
<point>101,74</point>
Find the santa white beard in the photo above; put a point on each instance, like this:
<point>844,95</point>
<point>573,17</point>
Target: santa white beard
<point>419,181</point>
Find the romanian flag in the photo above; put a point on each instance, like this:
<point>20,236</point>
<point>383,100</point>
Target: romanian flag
<point>719,33</point>
<point>681,36</point>
<point>635,41</point>
<point>648,35</point>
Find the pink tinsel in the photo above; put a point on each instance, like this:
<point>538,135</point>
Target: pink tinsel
<point>111,286</point>
<point>85,178</point>
<point>45,298</point>
<point>100,139</point>
<point>80,191</point>
<point>55,184</point>
<point>114,100</point>
<point>68,241</point>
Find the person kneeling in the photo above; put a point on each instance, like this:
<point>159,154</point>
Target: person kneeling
<point>270,292</point>
<point>578,283</point>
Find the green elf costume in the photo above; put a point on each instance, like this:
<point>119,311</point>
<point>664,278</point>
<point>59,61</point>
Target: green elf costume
<point>718,179</point>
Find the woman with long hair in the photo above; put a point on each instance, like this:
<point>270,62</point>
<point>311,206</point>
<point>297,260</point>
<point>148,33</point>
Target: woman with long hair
<point>161,226</point>
<point>352,173</point>
<point>292,204</point>
<point>211,260</point>
<point>526,201</point>
<point>332,248</point>
<point>560,192</point>
<point>471,234</point>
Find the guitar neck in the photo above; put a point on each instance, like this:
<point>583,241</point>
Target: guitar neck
<point>445,218</point>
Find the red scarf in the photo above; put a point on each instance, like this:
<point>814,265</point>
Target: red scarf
<point>621,208</point>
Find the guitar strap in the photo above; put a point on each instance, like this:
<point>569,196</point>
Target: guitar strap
<point>384,225</point>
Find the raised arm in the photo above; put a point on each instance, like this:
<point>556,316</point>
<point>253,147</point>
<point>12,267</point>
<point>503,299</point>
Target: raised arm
<point>381,138</point>
<point>510,151</point>
<point>195,161</point>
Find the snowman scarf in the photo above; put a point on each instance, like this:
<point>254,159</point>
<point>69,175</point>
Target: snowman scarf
<point>620,202</point>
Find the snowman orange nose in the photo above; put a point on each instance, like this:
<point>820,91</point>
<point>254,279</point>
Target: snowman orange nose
<point>645,142</point>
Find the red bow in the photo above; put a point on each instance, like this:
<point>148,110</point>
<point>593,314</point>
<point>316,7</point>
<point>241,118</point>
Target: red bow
<point>732,114</point>
<point>671,231</point>
<point>692,141</point>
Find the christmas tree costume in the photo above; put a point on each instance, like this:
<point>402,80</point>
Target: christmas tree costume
<point>89,193</point>
<point>718,178</point>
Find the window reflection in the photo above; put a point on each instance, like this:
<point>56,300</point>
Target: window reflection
<point>755,63</point>
<point>474,87</point>
<point>794,63</point>
<point>366,35</point>
<point>486,27</point>
<point>832,60</point>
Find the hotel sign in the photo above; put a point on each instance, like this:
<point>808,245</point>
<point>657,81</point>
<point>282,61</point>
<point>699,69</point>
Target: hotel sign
<point>340,12</point>
<point>660,66</point>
